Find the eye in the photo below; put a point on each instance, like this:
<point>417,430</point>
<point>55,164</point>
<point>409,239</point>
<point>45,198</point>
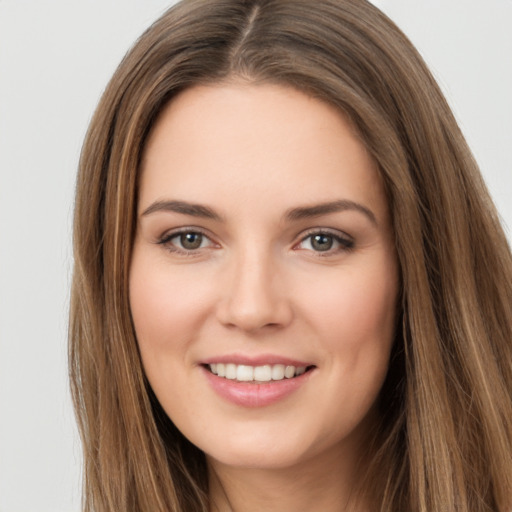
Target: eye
<point>326,242</point>
<point>185,241</point>
<point>190,241</point>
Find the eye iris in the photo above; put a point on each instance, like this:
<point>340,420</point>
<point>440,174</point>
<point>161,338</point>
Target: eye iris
<point>191,240</point>
<point>321,242</point>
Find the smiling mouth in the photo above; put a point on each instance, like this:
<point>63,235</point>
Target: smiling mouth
<point>257,374</point>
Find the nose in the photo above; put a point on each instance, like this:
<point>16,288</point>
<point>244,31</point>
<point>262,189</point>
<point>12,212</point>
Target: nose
<point>254,296</point>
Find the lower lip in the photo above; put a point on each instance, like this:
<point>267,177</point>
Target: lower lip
<point>251,394</point>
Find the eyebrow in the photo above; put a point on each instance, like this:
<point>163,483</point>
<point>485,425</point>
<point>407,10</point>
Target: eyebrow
<point>195,210</point>
<point>294,214</point>
<point>306,212</point>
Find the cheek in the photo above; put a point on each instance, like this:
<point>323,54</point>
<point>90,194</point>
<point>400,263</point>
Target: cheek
<point>355,318</point>
<point>167,318</point>
<point>357,308</point>
<point>166,304</point>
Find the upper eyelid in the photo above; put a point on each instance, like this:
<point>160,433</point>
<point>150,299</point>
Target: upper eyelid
<point>169,234</point>
<point>346,242</point>
<point>165,242</point>
<point>327,231</point>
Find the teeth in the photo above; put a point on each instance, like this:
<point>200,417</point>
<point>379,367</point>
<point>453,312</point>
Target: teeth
<point>265,373</point>
<point>277,372</point>
<point>231,371</point>
<point>244,373</point>
<point>289,372</point>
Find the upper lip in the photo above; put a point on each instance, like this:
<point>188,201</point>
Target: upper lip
<point>253,360</point>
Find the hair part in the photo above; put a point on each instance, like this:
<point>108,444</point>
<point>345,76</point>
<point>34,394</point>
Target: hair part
<point>445,439</point>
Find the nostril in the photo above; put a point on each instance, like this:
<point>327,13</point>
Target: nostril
<point>253,313</point>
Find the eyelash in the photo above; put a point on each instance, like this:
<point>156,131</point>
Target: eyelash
<point>345,243</point>
<point>165,240</point>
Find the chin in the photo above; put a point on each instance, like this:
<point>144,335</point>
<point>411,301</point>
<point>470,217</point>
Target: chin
<point>257,459</point>
<point>271,452</point>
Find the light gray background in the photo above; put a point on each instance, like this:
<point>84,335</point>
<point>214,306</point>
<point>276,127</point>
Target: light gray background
<point>55,59</point>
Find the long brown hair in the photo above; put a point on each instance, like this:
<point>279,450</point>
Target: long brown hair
<point>445,439</point>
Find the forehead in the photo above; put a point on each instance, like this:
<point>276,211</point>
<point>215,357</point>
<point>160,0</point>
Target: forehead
<point>255,141</point>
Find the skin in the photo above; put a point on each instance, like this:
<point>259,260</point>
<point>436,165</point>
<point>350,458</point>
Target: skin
<point>258,284</point>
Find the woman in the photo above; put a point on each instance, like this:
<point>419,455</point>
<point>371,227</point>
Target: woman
<point>291,288</point>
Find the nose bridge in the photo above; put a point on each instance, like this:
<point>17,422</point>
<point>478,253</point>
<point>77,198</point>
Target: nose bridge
<point>253,298</point>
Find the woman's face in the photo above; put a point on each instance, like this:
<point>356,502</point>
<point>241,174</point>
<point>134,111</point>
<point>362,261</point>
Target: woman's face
<point>264,280</point>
